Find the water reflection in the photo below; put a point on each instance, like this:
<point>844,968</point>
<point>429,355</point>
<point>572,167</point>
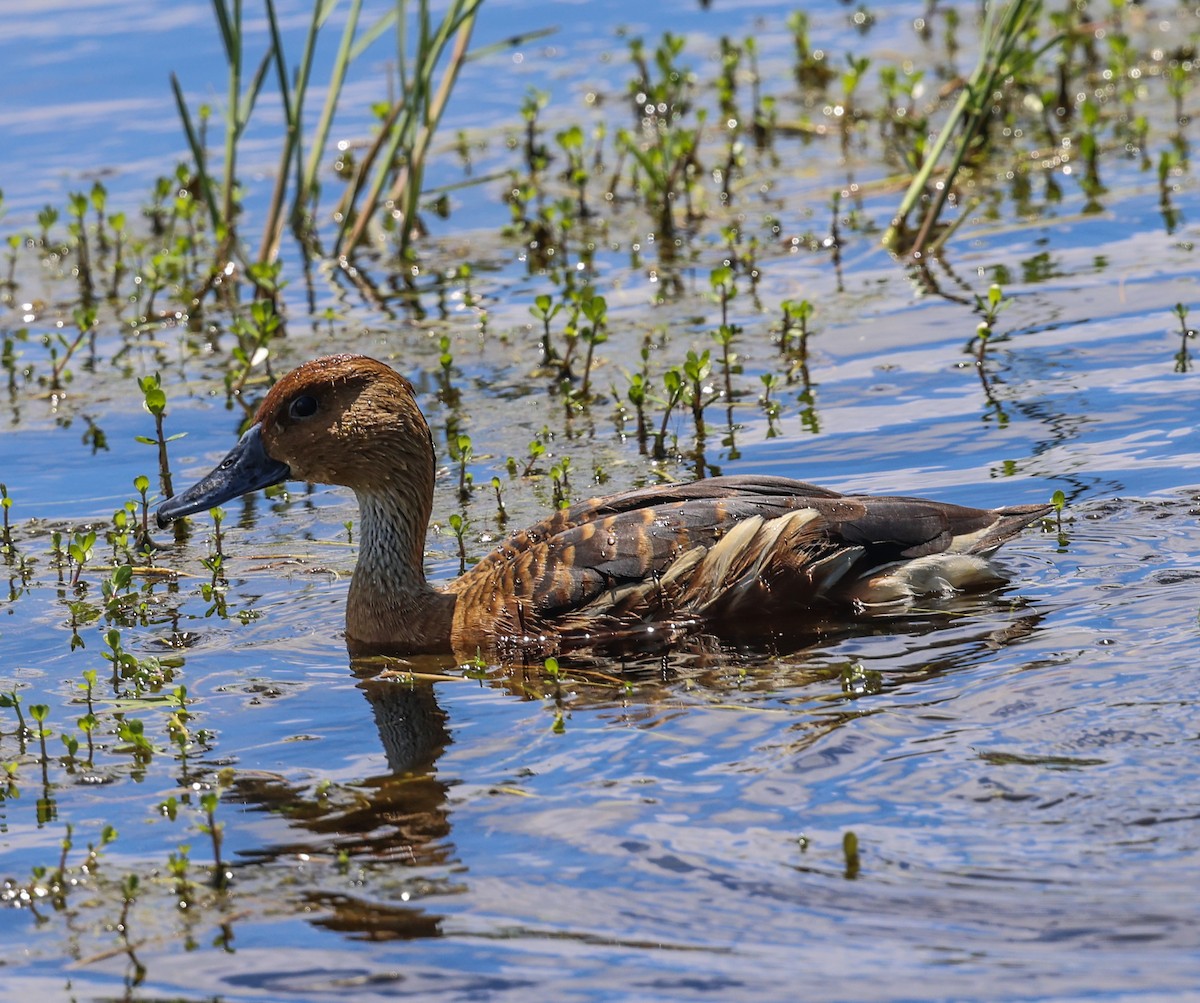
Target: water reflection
<point>397,827</point>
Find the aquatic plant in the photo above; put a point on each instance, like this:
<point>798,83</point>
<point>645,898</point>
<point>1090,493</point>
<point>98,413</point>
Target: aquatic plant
<point>462,454</point>
<point>796,315</point>
<point>458,526</point>
<point>209,801</point>
<point>155,400</point>
<point>6,538</point>
<point>1183,360</point>
<point>595,311</point>
<point>852,856</point>
<point>501,511</point>
<point>663,147</point>
<point>811,69</point>
<point>1004,51</point>
<point>388,176</point>
<point>545,309</point>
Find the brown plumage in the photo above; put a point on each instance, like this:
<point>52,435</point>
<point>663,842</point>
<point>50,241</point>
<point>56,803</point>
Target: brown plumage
<point>726,554</point>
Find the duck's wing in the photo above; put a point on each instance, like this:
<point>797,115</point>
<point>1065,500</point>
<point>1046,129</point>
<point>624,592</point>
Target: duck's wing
<point>719,549</point>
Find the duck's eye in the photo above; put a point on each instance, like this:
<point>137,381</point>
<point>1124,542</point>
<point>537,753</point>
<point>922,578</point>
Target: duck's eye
<point>304,406</point>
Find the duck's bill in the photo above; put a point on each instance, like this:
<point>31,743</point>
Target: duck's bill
<point>246,468</point>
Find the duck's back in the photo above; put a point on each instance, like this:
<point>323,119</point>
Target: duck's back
<point>724,552</point>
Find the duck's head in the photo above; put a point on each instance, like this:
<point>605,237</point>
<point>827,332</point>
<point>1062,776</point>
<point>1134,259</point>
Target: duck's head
<point>343,419</point>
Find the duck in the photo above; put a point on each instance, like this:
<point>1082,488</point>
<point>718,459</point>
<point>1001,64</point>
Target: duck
<point>722,555</point>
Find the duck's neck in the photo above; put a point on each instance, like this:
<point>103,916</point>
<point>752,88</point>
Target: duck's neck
<point>390,603</point>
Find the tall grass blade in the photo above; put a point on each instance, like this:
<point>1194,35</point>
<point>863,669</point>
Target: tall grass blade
<point>1004,29</point>
<point>306,189</point>
<point>198,154</point>
<point>411,123</point>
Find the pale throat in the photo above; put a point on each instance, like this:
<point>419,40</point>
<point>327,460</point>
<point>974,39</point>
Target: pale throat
<point>391,546</point>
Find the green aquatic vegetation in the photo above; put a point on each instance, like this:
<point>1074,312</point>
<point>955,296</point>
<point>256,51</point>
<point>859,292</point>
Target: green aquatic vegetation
<point>409,127</point>
<point>255,333</point>
<point>141,484</point>
<point>852,856</point>
<point>179,731</point>
<point>218,538</point>
<point>77,228</point>
<point>1059,501</point>
<point>89,722</point>
<point>501,511</point>
<point>742,256</point>
<point>54,884</point>
<point>117,266</point>
<point>6,538</point>
<point>810,68</point>
<point>47,216</point>
<point>545,309</point>
<point>696,391</point>
<point>730,57</point>
<point>213,591</point>
<point>386,179</point>
<point>12,701</point>
<point>535,153</point>
<point>462,452</point>
<point>1180,75</point>
<point>14,241</point>
<point>132,731</point>
<point>903,127</point>
<point>1007,50</point>
<point>124,522</point>
<point>771,406</point>
<point>116,590</point>
<point>448,393</point>
<point>595,310</point>
<point>40,712</point>
<point>673,387</point>
<point>58,554</point>
<point>220,198</point>
<point>79,551</point>
<point>136,973</point>
<point>991,304</point>
<point>576,173</point>
<point>155,400</point>
<point>852,77</point>
<point>796,315</point>
<point>560,483</point>
<point>1089,149</point>
<point>1170,165</point>
<point>724,289</point>
<point>85,323</point>
<point>537,450</point>
<point>664,147</point>
<point>857,680</point>
<point>764,113</point>
<point>1183,359</point>
<point>178,867</point>
<point>637,393</point>
<point>145,674</point>
<point>458,526</point>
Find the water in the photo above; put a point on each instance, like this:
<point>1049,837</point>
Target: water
<point>1017,768</point>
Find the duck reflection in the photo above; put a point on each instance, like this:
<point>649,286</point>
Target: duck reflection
<point>398,824</point>
<point>400,817</point>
